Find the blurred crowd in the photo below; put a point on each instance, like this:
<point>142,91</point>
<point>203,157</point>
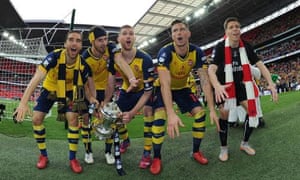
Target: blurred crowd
<point>273,28</point>
<point>289,73</point>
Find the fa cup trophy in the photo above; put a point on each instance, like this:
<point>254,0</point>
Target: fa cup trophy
<point>108,127</point>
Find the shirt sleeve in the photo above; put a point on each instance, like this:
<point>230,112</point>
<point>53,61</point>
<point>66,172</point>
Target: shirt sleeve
<point>200,59</point>
<point>164,58</point>
<point>217,54</point>
<point>86,73</point>
<point>148,73</point>
<point>49,62</point>
<point>111,62</point>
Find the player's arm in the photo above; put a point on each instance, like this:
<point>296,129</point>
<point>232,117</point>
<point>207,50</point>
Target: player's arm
<point>91,86</point>
<point>207,88</point>
<point>266,74</point>
<point>111,81</point>
<point>128,116</point>
<point>23,107</point>
<point>165,86</point>
<point>173,120</point>
<point>148,72</point>
<point>220,90</point>
<point>208,93</point>
<point>90,92</point>
<point>216,60</point>
<point>127,71</point>
<point>110,89</point>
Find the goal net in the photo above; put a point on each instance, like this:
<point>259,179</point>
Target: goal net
<point>18,61</point>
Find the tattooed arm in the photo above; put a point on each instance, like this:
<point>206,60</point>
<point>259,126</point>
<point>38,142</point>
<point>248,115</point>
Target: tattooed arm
<point>208,92</point>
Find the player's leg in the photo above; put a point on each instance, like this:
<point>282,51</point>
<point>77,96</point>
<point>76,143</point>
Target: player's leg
<point>247,133</point>
<point>126,102</point>
<point>39,132</point>
<point>87,139</point>
<point>198,132</point>
<point>188,102</point>
<point>158,133</point>
<point>110,158</point>
<point>73,138</point>
<point>148,121</point>
<point>42,107</point>
<point>223,133</point>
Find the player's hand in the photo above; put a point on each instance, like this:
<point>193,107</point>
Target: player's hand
<point>173,125</point>
<point>273,92</point>
<point>93,100</point>
<point>98,114</point>
<point>21,112</point>
<point>133,84</point>
<point>221,93</point>
<point>127,117</point>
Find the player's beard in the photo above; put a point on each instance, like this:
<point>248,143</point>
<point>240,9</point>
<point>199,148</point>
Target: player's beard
<point>100,50</point>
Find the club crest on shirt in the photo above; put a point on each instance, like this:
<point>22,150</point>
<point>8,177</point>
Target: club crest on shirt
<point>190,62</point>
<point>162,58</point>
<point>47,61</point>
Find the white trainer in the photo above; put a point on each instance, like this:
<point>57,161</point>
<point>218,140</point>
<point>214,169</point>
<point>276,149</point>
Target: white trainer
<point>247,148</point>
<point>223,156</point>
<point>88,158</point>
<point>110,159</point>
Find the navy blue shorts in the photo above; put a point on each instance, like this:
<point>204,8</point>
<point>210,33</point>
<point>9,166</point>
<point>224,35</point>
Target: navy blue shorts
<point>44,104</point>
<point>127,101</point>
<point>100,95</point>
<point>184,98</point>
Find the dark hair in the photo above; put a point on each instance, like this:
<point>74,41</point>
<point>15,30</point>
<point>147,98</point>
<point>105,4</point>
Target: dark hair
<point>95,32</point>
<point>230,19</point>
<point>97,28</point>
<point>177,21</point>
<point>70,32</point>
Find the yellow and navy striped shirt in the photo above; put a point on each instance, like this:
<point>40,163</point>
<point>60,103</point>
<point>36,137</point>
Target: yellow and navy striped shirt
<point>50,65</point>
<point>142,68</point>
<point>99,66</point>
<point>180,67</point>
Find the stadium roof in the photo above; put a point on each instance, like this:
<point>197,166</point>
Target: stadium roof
<point>152,25</point>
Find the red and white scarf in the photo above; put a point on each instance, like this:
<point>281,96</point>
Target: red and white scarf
<point>247,80</point>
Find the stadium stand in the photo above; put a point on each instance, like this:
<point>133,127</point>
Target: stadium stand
<point>278,44</point>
